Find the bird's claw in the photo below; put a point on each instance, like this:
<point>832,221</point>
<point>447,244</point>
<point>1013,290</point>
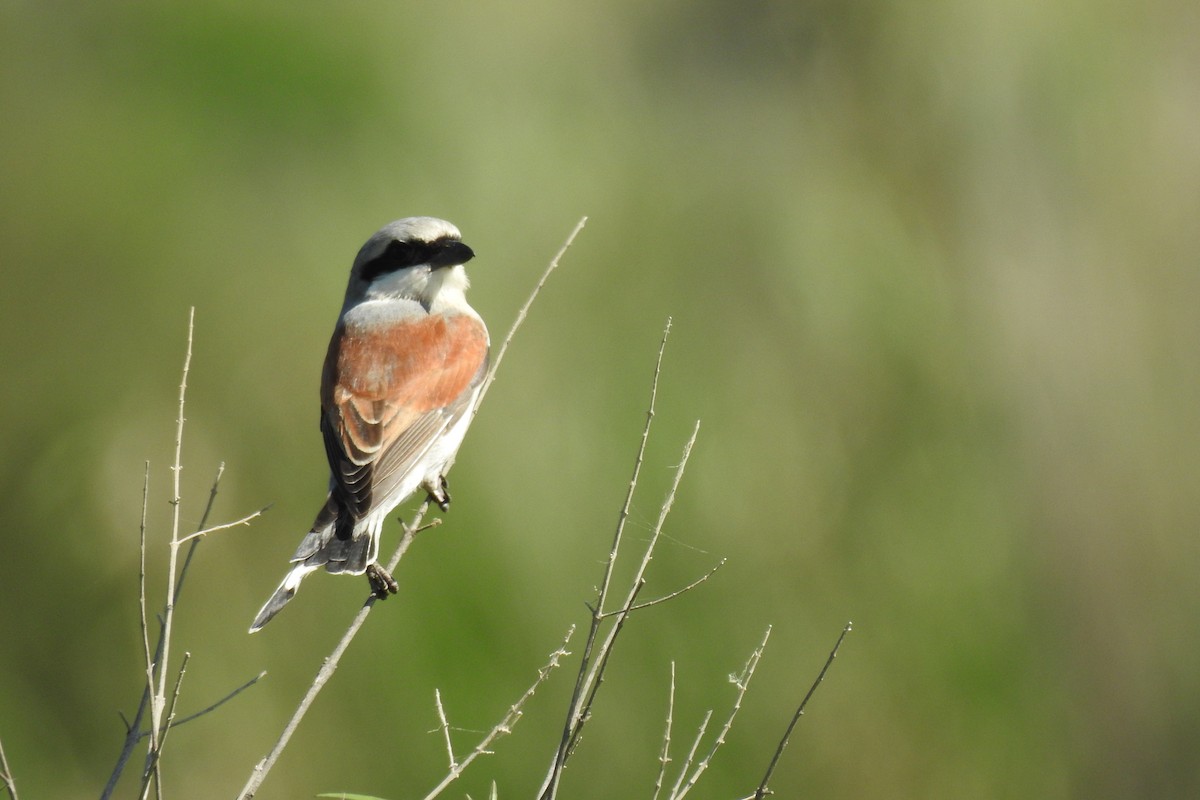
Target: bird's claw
<point>440,495</point>
<point>382,584</point>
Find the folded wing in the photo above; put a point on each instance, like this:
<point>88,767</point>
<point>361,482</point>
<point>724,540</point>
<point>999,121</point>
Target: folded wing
<point>388,393</point>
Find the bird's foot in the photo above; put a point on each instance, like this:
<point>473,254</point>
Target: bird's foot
<point>382,584</point>
<point>440,495</point>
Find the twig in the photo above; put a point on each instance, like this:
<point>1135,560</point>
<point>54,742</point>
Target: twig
<point>156,662</point>
<point>133,731</point>
<point>243,521</point>
<point>672,595</point>
<point>214,706</point>
<point>153,762</point>
<point>596,677</point>
<point>328,667</point>
<point>550,786</point>
<point>158,671</point>
<point>260,771</point>
<point>158,695</point>
<point>762,790</point>
<point>10,783</point>
<point>665,757</point>
<point>159,702</point>
<point>212,498</point>
<point>691,756</point>
<point>743,683</point>
<point>639,581</point>
<point>175,697</point>
<point>594,661</point>
<point>445,725</point>
<point>503,727</point>
<point>142,608</point>
<point>524,310</point>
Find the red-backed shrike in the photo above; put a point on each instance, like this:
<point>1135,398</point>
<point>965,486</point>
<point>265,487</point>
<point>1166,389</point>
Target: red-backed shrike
<point>398,390</point>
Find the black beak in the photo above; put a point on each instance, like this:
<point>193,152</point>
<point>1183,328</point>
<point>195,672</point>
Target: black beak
<point>451,254</point>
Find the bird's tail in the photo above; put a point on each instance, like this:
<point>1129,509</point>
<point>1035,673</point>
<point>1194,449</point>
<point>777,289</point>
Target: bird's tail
<point>286,591</point>
<point>321,547</point>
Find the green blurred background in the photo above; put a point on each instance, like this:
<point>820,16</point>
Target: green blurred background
<point>933,274</point>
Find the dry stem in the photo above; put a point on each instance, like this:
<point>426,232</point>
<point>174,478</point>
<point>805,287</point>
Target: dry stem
<point>665,757</point>
<point>153,695</point>
<point>762,790</point>
<point>10,783</point>
<point>502,728</point>
<point>594,660</point>
<point>743,683</point>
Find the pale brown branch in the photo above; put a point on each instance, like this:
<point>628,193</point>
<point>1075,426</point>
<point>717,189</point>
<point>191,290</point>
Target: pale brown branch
<point>524,310</point>
<point>158,700</point>
<point>637,470</point>
<point>742,682</point>
<point>596,676</point>
<point>586,676</point>
<point>665,757</point>
<point>243,521</point>
<point>133,731</point>
<point>595,659</point>
<point>154,762</point>
<point>142,608</point>
<point>328,667</point>
<point>762,790</point>
<point>672,595</point>
<point>445,727</point>
<point>6,776</point>
<point>214,706</point>
<point>606,651</point>
<point>503,727</point>
<point>691,756</point>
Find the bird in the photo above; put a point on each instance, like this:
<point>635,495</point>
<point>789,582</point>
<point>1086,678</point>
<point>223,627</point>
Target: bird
<point>401,378</point>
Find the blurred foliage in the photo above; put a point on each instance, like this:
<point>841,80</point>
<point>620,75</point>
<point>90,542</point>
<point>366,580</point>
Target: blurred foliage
<point>933,271</point>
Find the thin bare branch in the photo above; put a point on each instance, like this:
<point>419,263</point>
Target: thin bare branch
<point>10,783</point>
<point>142,608</point>
<point>743,683</point>
<point>246,520</point>
<point>521,314</point>
<point>667,505</point>
<point>637,470</point>
<point>664,758</point>
<point>762,790</point>
<point>133,731</point>
<point>596,677</point>
<point>586,675</point>
<point>691,756</point>
<point>672,595</point>
<point>505,725</point>
<point>158,702</point>
<point>154,762</point>
<point>153,694</point>
<point>328,667</point>
<point>208,506</point>
<point>214,706</point>
<point>445,726</point>
<point>260,771</point>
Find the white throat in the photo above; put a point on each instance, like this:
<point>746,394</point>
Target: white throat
<point>439,290</point>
